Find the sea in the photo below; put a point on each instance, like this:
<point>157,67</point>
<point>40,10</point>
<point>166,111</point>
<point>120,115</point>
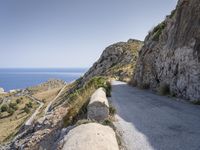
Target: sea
<point>18,78</point>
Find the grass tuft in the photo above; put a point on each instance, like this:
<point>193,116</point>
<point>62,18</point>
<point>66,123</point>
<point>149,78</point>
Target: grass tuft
<point>145,86</point>
<point>196,102</point>
<point>164,89</point>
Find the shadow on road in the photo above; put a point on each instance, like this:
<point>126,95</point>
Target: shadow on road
<point>158,121</point>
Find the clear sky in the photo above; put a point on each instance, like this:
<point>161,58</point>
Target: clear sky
<point>72,33</point>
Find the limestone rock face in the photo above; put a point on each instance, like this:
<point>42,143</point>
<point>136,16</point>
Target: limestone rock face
<point>91,136</point>
<point>98,107</point>
<point>171,53</point>
<point>116,61</point>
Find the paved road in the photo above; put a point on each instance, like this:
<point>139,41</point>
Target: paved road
<point>148,121</point>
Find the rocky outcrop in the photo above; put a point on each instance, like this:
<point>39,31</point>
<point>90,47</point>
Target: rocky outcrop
<point>98,107</point>
<point>50,84</point>
<point>117,60</point>
<point>171,53</point>
<point>91,136</point>
<point>42,135</point>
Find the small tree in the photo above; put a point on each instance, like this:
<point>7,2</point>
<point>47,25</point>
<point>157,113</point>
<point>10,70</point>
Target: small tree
<point>4,107</point>
<point>164,89</point>
<point>30,105</point>
<point>26,109</point>
<point>18,101</point>
<point>13,105</point>
<point>10,111</point>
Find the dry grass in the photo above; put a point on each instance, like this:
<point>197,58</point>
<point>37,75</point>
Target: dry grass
<point>64,94</point>
<point>46,97</point>
<point>78,100</point>
<point>10,124</point>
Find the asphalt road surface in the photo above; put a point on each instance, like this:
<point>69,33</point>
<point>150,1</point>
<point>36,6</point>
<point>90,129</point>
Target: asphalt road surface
<point>148,121</point>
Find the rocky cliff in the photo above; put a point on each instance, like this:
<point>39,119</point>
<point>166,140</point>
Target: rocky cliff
<point>171,53</point>
<point>117,60</point>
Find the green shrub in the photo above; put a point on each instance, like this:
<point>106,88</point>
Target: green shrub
<point>173,12</point>
<point>145,86</point>
<point>4,107</point>
<point>158,30</point>
<point>29,105</point>
<point>164,89</point>
<point>18,101</point>
<point>108,88</point>
<point>11,111</point>
<point>26,109</point>
<point>173,94</point>
<point>13,105</point>
<point>196,102</point>
<point>108,122</point>
<point>132,83</point>
<point>112,110</point>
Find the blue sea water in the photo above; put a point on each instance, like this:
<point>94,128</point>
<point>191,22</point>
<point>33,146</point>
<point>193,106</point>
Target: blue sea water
<point>22,78</point>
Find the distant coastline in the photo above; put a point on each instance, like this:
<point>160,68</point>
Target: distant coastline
<point>20,78</point>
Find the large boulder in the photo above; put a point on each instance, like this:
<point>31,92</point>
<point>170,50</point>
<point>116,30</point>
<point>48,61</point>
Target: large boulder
<point>98,107</point>
<point>91,136</point>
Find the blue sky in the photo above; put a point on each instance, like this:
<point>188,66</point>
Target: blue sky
<point>72,33</point>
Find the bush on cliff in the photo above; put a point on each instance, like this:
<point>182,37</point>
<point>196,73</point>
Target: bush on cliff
<point>158,30</point>
<point>78,100</point>
<point>164,89</point>
<point>4,107</point>
<point>13,106</point>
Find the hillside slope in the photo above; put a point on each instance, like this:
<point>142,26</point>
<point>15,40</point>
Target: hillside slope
<point>171,53</point>
<point>117,61</point>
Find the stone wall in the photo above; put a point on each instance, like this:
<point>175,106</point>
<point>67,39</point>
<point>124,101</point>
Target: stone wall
<point>90,136</point>
<point>98,107</point>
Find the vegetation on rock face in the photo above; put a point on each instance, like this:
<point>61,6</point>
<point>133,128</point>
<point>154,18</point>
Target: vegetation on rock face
<point>196,102</point>
<point>26,109</point>
<point>112,110</point>
<point>171,52</point>
<point>4,107</point>
<point>117,61</point>
<point>164,89</point>
<point>145,86</point>
<point>172,13</point>
<point>158,30</point>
